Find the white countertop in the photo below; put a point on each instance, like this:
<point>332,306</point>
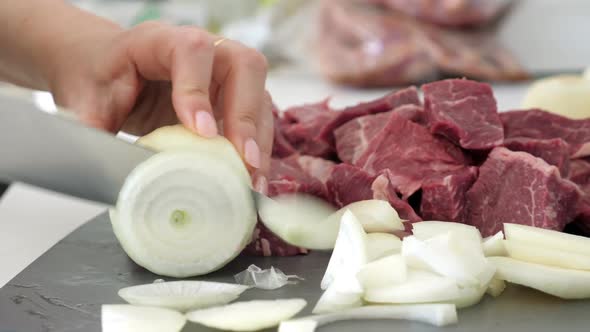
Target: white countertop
<point>33,220</point>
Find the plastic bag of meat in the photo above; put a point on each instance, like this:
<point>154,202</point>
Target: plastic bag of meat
<point>363,43</point>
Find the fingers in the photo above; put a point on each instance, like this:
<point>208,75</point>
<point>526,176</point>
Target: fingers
<point>183,55</point>
<point>265,138</point>
<point>241,73</point>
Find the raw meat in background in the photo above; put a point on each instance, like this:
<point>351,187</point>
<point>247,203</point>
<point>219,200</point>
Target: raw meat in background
<point>536,123</point>
<point>465,112</point>
<point>433,161</point>
<point>454,13</point>
<point>516,187</point>
<point>360,43</point>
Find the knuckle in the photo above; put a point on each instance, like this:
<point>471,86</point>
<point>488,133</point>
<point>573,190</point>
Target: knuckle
<point>247,119</point>
<point>195,39</point>
<point>254,59</point>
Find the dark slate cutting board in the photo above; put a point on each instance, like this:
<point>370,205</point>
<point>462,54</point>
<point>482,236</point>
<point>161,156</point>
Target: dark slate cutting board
<point>64,289</point>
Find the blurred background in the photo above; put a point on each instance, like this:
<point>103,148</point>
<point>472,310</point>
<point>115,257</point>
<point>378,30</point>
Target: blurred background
<point>356,50</point>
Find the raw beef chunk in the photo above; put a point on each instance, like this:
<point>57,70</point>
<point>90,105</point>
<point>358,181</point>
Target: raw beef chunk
<point>300,126</point>
<point>266,243</point>
<point>281,147</point>
<point>580,175</point>
<point>443,196</point>
<point>535,123</point>
<point>349,184</point>
<point>391,101</point>
<point>554,151</point>
<point>352,138</point>
<point>516,187</point>
<point>408,154</point>
<point>465,112</point>
<point>303,174</point>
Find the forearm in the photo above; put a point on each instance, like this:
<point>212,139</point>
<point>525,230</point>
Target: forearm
<point>36,36</point>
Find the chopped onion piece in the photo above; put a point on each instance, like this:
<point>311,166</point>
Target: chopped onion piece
<point>547,239</point>
<point>494,245</point>
<point>376,216</point>
<point>445,255</point>
<point>382,244</point>
<point>173,206</point>
<point>496,287</point>
<point>382,272</point>
<point>343,293</point>
<point>566,95</point>
<point>553,257</point>
<point>425,230</point>
<point>265,279</point>
<point>563,283</point>
<point>182,295</point>
<point>434,314</point>
<point>300,220</point>
<point>248,316</point>
<point>419,287</point>
<point>310,222</point>
<point>350,251</point>
<point>131,318</point>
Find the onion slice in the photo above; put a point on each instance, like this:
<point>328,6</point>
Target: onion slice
<point>310,222</point>
<point>433,314</point>
<point>382,272</point>
<point>553,257</point>
<point>563,283</point>
<point>174,210</point>
<point>380,245</point>
<point>350,251</point>
<point>182,295</point>
<point>548,239</point>
<point>425,230</point>
<point>131,318</point>
<point>494,245</point>
<point>247,316</point>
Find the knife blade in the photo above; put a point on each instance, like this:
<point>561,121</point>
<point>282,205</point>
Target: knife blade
<point>60,154</point>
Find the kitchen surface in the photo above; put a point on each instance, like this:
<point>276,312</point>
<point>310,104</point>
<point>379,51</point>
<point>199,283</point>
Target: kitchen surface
<point>511,189</point>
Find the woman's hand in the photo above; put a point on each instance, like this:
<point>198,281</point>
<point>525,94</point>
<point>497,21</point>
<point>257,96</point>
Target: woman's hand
<point>156,74</point>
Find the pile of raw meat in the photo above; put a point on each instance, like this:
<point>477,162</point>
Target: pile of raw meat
<point>400,42</point>
<point>450,157</point>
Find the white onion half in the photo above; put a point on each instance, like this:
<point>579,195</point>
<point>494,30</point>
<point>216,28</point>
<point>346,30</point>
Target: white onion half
<point>182,295</point>
<point>186,211</point>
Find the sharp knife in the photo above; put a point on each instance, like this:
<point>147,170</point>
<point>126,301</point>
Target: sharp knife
<point>55,152</point>
<point>547,36</point>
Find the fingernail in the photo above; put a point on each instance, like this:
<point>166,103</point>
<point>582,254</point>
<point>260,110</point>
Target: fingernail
<point>252,153</point>
<point>206,126</point>
<point>261,185</point>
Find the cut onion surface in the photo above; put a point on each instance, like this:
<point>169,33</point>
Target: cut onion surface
<point>131,318</point>
<point>311,223</point>
<point>343,293</point>
<point>553,257</point>
<point>425,230</point>
<point>247,316</point>
<point>548,239</point>
<point>182,295</point>
<point>419,287</point>
<point>446,255</point>
<point>434,314</point>
<point>380,245</point>
<point>175,209</point>
<point>560,282</point>
<point>494,245</point>
<point>496,287</point>
<point>350,251</point>
<point>382,272</point>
